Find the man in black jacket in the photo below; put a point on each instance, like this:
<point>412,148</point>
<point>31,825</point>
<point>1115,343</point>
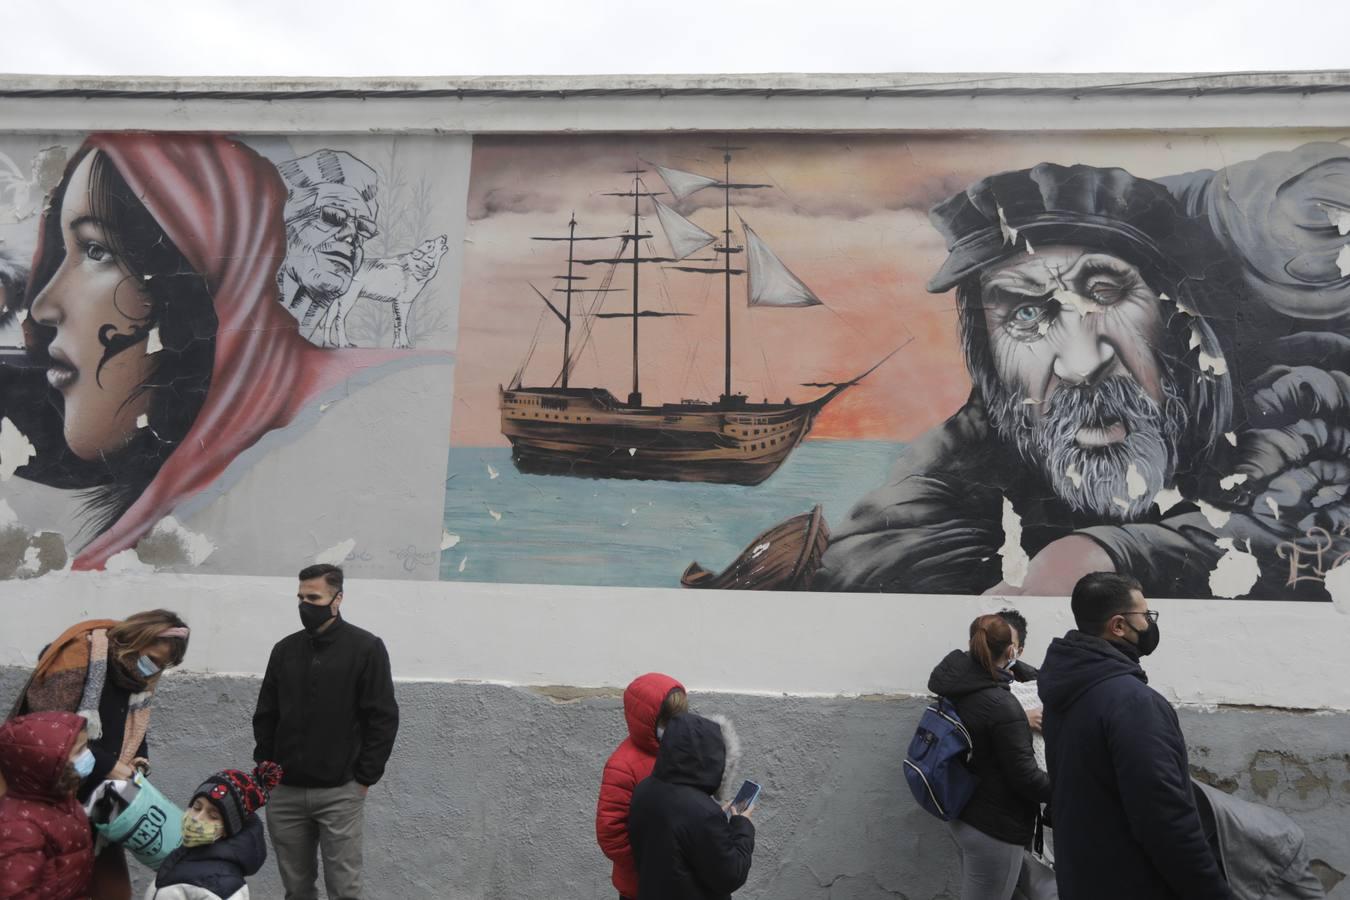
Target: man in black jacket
<point>685,844</point>
<point>327,714</point>
<point>1125,820</point>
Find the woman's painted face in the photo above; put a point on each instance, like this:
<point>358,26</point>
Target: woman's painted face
<point>91,293</point>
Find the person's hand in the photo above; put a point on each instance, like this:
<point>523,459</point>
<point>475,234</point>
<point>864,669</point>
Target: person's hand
<point>1034,718</point>
<point>1056,569</point>
<point>121,772</point>
<point>142,764</point>
<point>732,811</point>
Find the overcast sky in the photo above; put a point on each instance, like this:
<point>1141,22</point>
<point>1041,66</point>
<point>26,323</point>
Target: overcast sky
<point>502,37</point>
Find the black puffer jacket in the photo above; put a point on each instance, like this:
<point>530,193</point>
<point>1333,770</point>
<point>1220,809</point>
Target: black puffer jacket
<point>220,867</point>
<point>1123,803</point>
<point>1006,800</point>
<point>684,845</point>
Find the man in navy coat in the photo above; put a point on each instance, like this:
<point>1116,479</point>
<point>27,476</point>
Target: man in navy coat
<point>1124,816</point>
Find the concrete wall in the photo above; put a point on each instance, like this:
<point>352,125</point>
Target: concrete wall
<point>490,794</point>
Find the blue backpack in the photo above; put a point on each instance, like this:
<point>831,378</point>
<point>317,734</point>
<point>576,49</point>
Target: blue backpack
<point>936,765</point>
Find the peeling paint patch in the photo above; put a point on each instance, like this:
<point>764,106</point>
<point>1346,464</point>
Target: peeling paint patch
<point>337,554</point>
<point>1338,217</point>
<point>463,562</point>
<point>15,449</point>
<point>1232,481</point>
<point>1338,586</point>
<point>1070,300</point>
<point>152,342</point>
<point>448,540</point>
<point>323,407</point>
<point>7,514</point>
<point>1168,498</point>
<point>632,451</point>
<point>1135,485</point>
<point>1214,365</point>
<point>126,563</point>
<point>1031,251</point>
<point>495,515</point>
<point>1216,517</point>
<point>1009,233</point>
<point>1343,261</point>
<point>172,544</point>
<point>1274,507</point>
<point>1236,572</point>
<point>1015,559</point>
<point>1122,503</point>
<point>1230,437</point>
<point>143,421</point>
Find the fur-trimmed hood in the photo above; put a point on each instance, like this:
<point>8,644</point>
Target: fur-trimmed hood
<point>700,752</point>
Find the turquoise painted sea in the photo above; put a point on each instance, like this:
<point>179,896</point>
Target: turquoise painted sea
<point>549,529</point>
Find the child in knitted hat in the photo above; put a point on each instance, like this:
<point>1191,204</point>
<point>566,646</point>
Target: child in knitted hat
<point>223,840</point>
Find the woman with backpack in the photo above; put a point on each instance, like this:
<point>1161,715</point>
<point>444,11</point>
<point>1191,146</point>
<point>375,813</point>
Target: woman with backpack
<point>1000,818</point>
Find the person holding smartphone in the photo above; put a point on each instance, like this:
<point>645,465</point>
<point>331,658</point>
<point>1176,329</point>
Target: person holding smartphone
<point>689,845</point>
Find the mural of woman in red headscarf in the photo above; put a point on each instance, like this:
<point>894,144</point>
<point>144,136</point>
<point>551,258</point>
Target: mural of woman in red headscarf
<point>154,305</point>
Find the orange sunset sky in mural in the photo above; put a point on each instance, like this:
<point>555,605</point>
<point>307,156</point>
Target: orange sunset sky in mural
<point>848,215</point>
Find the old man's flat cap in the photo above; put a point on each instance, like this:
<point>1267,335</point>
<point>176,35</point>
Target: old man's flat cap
<point>1105,209</point>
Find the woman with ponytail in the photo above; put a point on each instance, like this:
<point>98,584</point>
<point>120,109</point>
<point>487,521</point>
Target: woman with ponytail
<point>1000,819</point>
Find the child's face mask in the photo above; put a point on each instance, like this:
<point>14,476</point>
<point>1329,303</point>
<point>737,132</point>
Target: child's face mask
<point>199,832</point>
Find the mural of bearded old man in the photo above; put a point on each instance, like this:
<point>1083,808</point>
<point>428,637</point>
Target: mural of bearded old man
<point>1147,396</point>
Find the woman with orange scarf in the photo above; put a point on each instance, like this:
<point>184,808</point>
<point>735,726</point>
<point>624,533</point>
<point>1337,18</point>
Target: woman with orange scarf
<point>107,672</point>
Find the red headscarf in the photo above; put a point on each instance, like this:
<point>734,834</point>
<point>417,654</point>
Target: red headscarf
<point>221,204</point>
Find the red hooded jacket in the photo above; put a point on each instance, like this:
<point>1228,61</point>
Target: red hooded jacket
<point>46,852</point>
<point>630,762</point>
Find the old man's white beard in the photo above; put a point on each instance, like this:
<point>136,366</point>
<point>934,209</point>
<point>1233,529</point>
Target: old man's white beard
<point>1117,481</point>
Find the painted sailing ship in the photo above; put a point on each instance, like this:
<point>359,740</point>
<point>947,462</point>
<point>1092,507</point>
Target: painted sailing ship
<point>563,429</point>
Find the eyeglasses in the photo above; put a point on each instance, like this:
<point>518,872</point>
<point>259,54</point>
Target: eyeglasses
<point>1150,614</point>
<point>336,218</point>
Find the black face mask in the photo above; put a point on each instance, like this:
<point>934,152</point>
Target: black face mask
<point>1148,640</point>
<point>313,617</point>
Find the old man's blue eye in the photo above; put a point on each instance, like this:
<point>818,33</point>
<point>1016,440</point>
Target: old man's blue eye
<point>1025,315</point>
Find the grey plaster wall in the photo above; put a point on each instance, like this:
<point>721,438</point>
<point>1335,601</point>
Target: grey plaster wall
<point>491,790</point>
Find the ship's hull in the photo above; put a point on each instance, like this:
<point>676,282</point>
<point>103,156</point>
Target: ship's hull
<point>586,432</point>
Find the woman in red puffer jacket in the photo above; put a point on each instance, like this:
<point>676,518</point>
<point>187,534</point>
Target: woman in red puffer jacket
<point>649,703</point>
<point>46,851</point>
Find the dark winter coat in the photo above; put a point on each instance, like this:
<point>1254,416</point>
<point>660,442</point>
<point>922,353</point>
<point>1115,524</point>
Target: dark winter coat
<point>46,847</point>
<point>1126,825</point>
<point>326,710</point>
<point>685,847</point>
<point>630,762</point>
<point>219,868</point>
<point>1011,786</point>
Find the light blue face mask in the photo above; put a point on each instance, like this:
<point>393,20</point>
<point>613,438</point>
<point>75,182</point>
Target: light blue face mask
<point>146,666</point>
<point>84,763</point>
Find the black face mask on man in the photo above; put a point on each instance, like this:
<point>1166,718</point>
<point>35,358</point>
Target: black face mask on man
<point>313,617</point>
<point>1148,640</point>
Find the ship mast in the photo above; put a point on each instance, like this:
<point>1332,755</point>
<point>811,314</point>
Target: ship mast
<point>568,280</point>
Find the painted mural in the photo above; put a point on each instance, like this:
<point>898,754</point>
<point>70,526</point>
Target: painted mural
<point>916,364</point>
<point>175,303</point>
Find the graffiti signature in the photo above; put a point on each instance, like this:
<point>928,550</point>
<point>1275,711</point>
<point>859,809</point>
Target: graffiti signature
<point>1315,554</point>
<point>411,558</point>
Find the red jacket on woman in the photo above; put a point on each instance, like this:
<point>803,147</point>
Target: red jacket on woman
<point>630,762</point>
<point>46,852</point>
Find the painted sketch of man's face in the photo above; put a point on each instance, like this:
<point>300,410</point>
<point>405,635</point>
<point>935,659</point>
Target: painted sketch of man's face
<point>326,245</point>
<point>1075,338</point>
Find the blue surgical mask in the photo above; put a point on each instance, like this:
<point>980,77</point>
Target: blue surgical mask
<point>146,666</point>
<point>84,763</point>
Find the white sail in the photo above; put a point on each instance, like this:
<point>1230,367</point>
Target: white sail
<point>681,183</point>
<point>685,237</point>
<point>771,283</point>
